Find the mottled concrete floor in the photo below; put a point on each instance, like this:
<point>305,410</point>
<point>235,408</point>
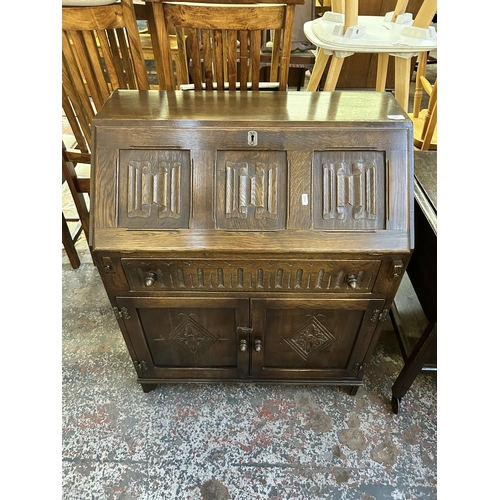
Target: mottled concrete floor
<point>224,441</point>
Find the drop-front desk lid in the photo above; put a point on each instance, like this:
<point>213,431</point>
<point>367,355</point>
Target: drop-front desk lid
<point>264,108</point>
<point>307,172</point>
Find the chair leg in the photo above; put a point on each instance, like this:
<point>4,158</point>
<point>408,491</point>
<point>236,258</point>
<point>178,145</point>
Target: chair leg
<point>382,66</point>
<point>69,245</point>
<point>417,97</point>
<point>70,176</point>
<point>402,73</point>
<point>333,73</point>
<point>318,70</point>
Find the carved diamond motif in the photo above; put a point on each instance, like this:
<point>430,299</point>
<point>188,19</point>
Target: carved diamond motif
<point>310,338</point>
<point>192,337</point>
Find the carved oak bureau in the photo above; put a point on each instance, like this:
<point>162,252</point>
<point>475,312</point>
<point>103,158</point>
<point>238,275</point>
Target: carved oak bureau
<point>251,236</point>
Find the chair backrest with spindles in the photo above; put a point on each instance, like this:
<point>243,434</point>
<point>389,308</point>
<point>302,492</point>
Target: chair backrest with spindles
<point>430,119</point>
<point>101,52</point>
<point>424,120</point>
<point>224,41</point>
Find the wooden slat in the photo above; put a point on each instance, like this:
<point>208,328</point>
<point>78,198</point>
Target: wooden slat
<point>207,60</point>
<point>78,111</point>
<point>162,54</point>
<point>121,55</point>
<point>232,55</point>
<point>79,158</point>
<point>287,46</point>
<point>89,58</point>
<point>255,44</point>
<point>275,55</point>
<point>219,58</point>
<point>92,18</point>
<point>135,53</point>
<point>194,48</point>
<point>244,61</point>
<point>80,71</point>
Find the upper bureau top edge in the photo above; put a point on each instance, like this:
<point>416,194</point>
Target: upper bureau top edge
<point>260,109</point>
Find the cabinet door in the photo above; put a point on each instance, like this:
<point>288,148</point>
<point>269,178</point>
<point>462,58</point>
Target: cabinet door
<point>187,338</point>
<point>311,339</point>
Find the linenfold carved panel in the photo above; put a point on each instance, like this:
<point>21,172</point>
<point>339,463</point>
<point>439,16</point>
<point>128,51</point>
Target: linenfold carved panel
<point>154,189</point>
<point>244,190</point>
<point>352,184</point>
<point>251,190</point>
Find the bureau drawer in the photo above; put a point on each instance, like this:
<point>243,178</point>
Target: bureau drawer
<point>208,275</point>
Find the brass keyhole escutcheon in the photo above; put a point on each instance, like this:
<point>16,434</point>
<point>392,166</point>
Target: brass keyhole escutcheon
<point>252,138</point>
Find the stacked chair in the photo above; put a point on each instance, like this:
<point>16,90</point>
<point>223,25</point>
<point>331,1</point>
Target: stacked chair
<point>101,52</point>
<point>424,120</point>
<point>224,41</point>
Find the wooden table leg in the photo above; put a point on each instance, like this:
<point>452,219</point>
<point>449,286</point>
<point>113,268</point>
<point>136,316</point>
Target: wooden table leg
<point>413,366</point>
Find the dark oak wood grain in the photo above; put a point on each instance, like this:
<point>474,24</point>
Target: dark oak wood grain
<point>255,236</point>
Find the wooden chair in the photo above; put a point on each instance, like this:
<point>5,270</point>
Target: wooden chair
<point>402,64</point>
<point>101,52</point>
<point>177,52</point>
<point>224,40</point>
<point>70,177</point>
<point>425,120</point>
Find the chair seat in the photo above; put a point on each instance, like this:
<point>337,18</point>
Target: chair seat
<point>86,3</point>
<point>342,33</point>
<point>376,35</point>
<point>418,126</point>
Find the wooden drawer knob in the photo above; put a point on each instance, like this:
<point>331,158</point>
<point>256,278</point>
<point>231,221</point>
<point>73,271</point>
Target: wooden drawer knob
<point>150,279</point>
<point>352,280</point>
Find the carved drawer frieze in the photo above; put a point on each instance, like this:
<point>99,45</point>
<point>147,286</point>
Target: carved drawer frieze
<point>337,276</point>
